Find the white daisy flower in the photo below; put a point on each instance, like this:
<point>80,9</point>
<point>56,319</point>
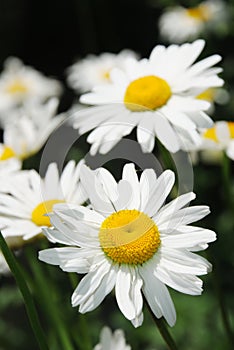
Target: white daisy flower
<point>112,341</point>
<point>179,24</point>
<point>28,131</point>
<point>94,70</point>
<point>24,207</point>
<point>13,243</point>
<point>214,95</point>
<point>6,167</point>
<point>158,96</point>
<point>216,140</point>
<point>20,83</point>
<point>131,241</point>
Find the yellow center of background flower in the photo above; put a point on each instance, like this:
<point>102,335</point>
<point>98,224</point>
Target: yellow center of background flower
<point>231,129</point>
<point>17,87</point>
<point>212,135</point>
<point>149,92</point>
<point>106,75</point>
<point>207,95</point>
<point>38,214</point>
<point>200,13</point>
<point>129,237</point>
<point>7,153</point>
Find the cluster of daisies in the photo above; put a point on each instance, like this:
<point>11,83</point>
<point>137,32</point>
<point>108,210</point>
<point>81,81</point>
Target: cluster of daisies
<point>121,235</point>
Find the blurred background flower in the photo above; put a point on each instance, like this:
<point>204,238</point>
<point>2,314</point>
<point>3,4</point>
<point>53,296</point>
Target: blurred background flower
<point>112,341</point>
<point>179,24</point>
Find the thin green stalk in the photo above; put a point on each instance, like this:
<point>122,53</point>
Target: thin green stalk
<point>168,163</point>
<point>166,157</point>
<point>160,323</point>
<point>227,178</point>
<point>29,303</point>
<point>224,313</point>
<point>85,344</point>
<point>221,301</point>
<point>46,290</point>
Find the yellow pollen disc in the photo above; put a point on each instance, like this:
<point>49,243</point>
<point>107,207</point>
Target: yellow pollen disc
<point>7,153</point>
<point>38,214</point>
<point>149,92</point>
<point>207,95</point>
<point>17,87</point>
<point>200,13</point>
<point>129,237</point>
<point>231,129</point>
<point>106,75</point>
<point>211,134</point>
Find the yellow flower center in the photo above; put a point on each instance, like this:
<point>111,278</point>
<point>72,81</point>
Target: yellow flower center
<point>129,237</point>
<point>7,153</point>
<point>17,87</point>
<point>106,75</point>
<point>149,92</point>
<point>38,214</point>
<point>211,134</point>
<point>199,13</point>
<point>231,129</point>
<point>207,95</point>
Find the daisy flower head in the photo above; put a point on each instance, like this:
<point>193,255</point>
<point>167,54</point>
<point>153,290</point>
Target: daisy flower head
<point>112,341</point>
<point>129,240</point>
<point>28,130</point>
<point>178,24</point>
<point>20,83</point>
<point>94,70</point>
<point>29,198</point>
<point>8,165</point>
<point>214,95</point>
<point>156,95</point>
<point>13,243</point>
<point>216,140</point>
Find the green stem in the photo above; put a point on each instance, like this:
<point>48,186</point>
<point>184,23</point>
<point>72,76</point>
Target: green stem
<point>222,304</point>
<point>160,323</point>
<point>227,179</point>
<point>46,291</point>
<point>29,303</point>
<point>166,157</point>
<point>85,344</point>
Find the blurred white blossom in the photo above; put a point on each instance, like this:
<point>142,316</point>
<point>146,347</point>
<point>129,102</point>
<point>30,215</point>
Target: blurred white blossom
<point>20,83</point>
<point>112,341</point>
<point>178,24</point>
<point>94,70</point>
<point>28,130</point>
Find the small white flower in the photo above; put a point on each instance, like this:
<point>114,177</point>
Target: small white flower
<point>20,83</point>
<point>112,341</point>
<point>217,139</point>
<point>8,166</point>
<point>13,243</point>
<point>129,240</point>
<point>95,70</point>
<point>157,95</point>
<point>30,128</point>
<point>214,95</point>
<point>178,24</point>
<point>28,198</point>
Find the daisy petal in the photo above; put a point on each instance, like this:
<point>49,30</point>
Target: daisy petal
<point>160,192</point>
<point>122,291</point>
<point>159,297</point>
